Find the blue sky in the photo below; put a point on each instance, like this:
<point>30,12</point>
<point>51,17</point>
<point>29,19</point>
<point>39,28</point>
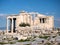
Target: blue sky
<point>46,7</point>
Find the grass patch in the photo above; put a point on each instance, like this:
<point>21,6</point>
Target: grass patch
<point>11,42</point>
<point>48,43</point>
<point>7,43</point>
<point>45,37</point>
<point>54,36</point>
<point>58,43</point>
<point>34,36</point>
<point>23,40</point>
<point>33,40</point>
<point>3,43</point>
<point>27,44</point>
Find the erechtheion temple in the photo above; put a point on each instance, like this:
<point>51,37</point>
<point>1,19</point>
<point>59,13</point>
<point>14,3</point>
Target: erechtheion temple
<point>34,19</point>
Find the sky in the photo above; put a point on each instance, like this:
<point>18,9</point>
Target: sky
<point>46,7</point>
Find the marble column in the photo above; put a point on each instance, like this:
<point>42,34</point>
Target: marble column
<point>26,19</point>
<point>30,20</point>
<point>14,21</point>
<point>7,25</point>
<point>12,26</point>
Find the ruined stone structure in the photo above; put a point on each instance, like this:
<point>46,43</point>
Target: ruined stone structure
<point>32,18</point>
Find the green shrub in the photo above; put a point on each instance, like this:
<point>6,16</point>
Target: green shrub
<point>33,40</point>
<point>54,36</point>
<point>24,25</point>
<point>34,36</point>
<point>23,40</point>
<point>27,44</point>
<point>48,43</point>
<point>58,43</point>
<point>11,42</point>
<point>27,24</point>
<point>45,37</point>
<point>3,43</point>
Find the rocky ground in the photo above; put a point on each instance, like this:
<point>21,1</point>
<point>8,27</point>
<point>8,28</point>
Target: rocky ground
<point>40,40</point>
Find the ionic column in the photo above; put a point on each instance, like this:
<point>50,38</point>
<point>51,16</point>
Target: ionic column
<point>12,26</point>
<point>7,26</point>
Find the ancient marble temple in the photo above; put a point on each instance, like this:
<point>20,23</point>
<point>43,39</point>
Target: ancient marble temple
<point>32,18</point>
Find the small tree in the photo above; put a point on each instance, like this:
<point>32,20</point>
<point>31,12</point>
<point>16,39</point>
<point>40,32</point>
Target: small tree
<point>24,25</point>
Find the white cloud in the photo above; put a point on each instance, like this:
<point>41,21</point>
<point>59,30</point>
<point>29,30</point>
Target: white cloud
<point>57,20</point>
<point>2,15</point>
<point>50,13</point>
<point>53,13</point>
<point>33,13</point>
<point>47,13</point>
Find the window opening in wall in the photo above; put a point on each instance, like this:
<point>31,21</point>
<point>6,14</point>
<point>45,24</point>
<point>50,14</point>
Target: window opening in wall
<point>42,20</point>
